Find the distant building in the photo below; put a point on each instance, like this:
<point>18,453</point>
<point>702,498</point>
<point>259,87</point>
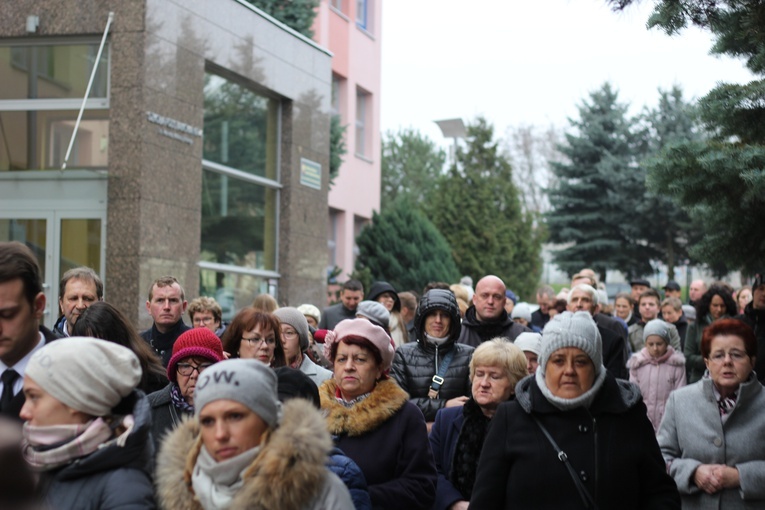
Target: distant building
<point>202,153</point>
<point>351,31</point>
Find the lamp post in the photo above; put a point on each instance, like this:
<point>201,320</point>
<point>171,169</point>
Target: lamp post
<point>455,129</point>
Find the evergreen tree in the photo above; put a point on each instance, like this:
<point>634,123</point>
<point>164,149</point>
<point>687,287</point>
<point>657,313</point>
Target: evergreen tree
<point>597,192</point>
<point>411,162</point>
<point>337,148</point>
<point>296,14</point>
<point>401,246</point>
<point>477,209</point>
<point>721,182</point>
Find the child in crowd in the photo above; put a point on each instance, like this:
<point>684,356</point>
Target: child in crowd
<point>657,369</point>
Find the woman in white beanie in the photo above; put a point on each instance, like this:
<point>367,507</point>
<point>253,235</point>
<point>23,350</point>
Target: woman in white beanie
<point>574,437</point>
<point>87,429</point>
<point>242,450</point>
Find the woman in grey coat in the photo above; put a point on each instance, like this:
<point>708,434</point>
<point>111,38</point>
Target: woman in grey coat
<point>713,432</point>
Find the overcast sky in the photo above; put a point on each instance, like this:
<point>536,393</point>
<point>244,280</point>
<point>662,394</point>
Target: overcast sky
<point>530,61</point>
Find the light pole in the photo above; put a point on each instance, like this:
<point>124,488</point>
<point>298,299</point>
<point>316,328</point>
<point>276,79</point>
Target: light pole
<point>455,129</point>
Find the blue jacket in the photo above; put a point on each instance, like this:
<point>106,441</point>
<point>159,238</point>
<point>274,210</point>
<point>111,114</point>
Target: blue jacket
<point>350,473</point>
<point>443,441</point>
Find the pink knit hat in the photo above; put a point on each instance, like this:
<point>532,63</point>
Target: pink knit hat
<point>364,329</point>
<point>195,342</point>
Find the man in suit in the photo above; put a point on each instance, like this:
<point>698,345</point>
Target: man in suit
<point>22,303</point>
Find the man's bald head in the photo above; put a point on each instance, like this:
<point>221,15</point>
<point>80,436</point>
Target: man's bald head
<point>489,298</point>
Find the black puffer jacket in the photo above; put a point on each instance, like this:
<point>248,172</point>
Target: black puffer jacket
<point>415,364</point>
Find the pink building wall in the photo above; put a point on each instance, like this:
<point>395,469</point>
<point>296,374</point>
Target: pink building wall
<point>356,64</point>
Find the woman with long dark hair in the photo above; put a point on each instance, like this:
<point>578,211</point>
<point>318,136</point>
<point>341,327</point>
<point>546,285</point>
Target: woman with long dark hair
<point>716,303</point>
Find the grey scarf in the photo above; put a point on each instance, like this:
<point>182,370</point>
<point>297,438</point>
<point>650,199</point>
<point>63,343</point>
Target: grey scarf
<point>216,483</point>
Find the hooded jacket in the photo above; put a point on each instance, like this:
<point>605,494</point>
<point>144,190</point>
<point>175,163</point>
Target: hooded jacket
<point>611,447</point>
<point>415,364</point>
<point>112,477</point>
<point>386,436</point>
<point>475,332</point>
<point>657,378</point>
<point>289,473</point>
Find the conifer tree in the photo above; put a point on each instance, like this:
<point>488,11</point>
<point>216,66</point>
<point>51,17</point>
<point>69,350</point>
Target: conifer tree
<point>477,209</point>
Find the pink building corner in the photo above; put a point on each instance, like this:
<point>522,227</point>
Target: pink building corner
<point>351,30</point>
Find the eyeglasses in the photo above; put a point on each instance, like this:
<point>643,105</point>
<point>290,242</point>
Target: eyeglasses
<point>186,369</point>
<point>290,334</point>
<point>203,320</point>
<point>257,341</point>
<point>735,356</point>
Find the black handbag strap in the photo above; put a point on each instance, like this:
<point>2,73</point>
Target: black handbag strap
<point>583,492</point>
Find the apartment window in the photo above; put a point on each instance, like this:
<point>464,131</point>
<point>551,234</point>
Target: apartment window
<point>363,105</point>
<point>41,90</point>
<point>240,193</point>
<point>362,14</point>
<point>335,100</point>
<point>337,4</point>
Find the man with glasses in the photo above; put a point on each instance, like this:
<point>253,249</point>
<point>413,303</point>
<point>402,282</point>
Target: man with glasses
<point>193,352</point>
<point>166,305</point>
<point>486,318</point>
<point>205,312</point>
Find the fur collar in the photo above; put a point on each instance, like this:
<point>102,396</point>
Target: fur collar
<point>383,402</point>
<point>288,474</point>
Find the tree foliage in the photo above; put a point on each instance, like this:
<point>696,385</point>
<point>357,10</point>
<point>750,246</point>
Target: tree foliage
<point>477,209</point>
<point>401,246</point>
<point>411,163</point>
<point>296,14</point>
<point>598,190</point>
<point>337,148</point>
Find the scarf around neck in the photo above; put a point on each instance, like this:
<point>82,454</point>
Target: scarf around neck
<point>216,483</point>
<point>468,448</point>
<point>567,404</point>
<point>49,447</point>
<point>178,401</point>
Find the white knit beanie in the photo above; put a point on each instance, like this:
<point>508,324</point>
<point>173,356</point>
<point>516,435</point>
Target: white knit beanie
<point>521,311</point>
<point>86,374</point>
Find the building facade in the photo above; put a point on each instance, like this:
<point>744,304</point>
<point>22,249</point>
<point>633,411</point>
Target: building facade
<point>202,153</point>
<point>351,29</point>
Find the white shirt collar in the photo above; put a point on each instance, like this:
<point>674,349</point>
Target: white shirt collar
<point>21,365</point>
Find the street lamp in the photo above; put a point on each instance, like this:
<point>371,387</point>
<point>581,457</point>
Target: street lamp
<point>452,128</point>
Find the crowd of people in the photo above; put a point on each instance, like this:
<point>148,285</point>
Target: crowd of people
<point>450,398</point>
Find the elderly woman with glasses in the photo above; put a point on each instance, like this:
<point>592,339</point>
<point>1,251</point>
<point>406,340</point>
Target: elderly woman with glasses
<point>712,432</point>
<point>255,334</point>
<point>193,352</point>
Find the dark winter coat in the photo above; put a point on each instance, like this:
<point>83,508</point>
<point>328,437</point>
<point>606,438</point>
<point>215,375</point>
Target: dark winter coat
<point>682,330</point>
<point>539,319</point>
<point>386,436</point>
<point>350,473</point>
<point>113,477</point>
<point>611,447</point>
<point>59,328</point>
<point>332,315</point>
<point>475,332</point>
<point>756,320</point>
<point>18,399</point>
<point>415,364</point>
<point>694,361</point>
<point>164,415</point>
<point>614,356</point>
<point>162,343</point>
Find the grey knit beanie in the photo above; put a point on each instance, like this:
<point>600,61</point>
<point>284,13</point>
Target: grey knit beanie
<point>656,327</point>
<point>86,374</point>
<point>572,330</point>
<point>246,381</point>
<point>521,311</point>
<point>375,312</point>
<point>296,319</point>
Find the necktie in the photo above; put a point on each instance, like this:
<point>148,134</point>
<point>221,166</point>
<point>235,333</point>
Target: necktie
<point>8,378</point>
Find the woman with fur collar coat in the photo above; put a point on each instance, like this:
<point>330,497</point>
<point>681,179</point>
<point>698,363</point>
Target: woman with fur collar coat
<point>373,421</point>
<point>285,470</point>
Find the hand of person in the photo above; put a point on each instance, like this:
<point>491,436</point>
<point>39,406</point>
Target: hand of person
<point>456,401</point>
<point>226,355</point>
<point>709,478</point>
<point>728,476</point>
<point>460,505</point>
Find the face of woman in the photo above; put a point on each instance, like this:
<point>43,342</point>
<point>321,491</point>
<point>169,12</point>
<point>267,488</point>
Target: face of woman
<point>387,300</point>
<point>257,344</point>
<point>290,342</point>
<point>569,372</point>
<point>491,386</point>
<point>656,346</point>
<point>356,370</point>
<point>311,321</point>
<point>622,308</point>
<point>532,362</point>
<point>192,367</point>
<point>41,409</point>
<point>728,363</point>
<point>437,324</point>
<point>669,314</point>
<point>744,298</point>
<point>229,428</point>
<point>716,307</point>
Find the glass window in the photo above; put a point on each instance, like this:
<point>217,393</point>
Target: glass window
<point>80,244</point>
<point>362,104</point>
<point>335,106</point>
<point>362,17</point>
<point>337,4</point>
<point>31,232</point>
<point>52,71</point>
<point>232,291</point>
<point>240,127</point>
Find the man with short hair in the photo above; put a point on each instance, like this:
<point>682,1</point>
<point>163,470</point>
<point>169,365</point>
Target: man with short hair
<point>649,304</point>
<point>408,311</point>
<point>79,288</point>
<point>637,287</point>
<point>695,291</point>
<point>486,318</point>
<point>22,304</point>
<point>166,305</point>
<point>545,299</point>
<point>672,289</point>
<point>584,298</point>
<point>351,295</point>
<point>754,316</point>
